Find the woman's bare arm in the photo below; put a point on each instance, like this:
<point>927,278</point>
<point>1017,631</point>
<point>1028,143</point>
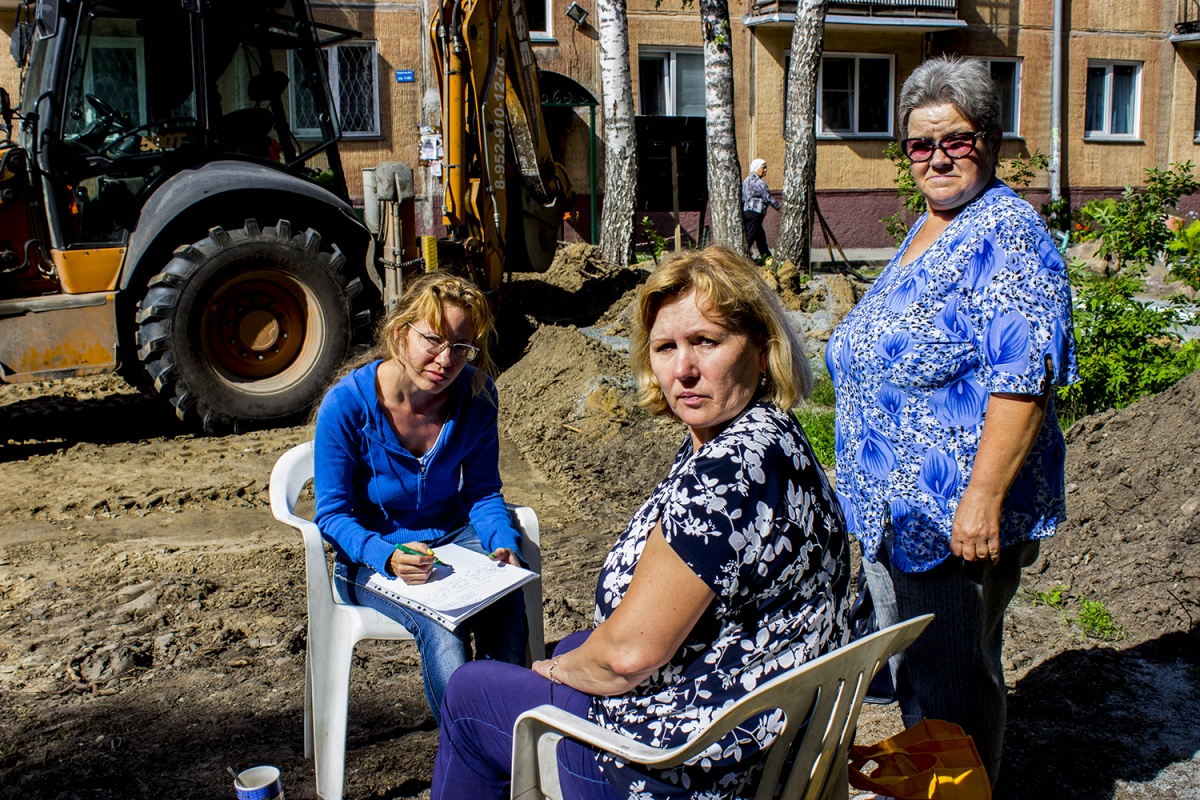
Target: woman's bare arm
<point>664,601</point>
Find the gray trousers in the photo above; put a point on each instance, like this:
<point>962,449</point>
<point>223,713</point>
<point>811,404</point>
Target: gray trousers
<point>953,670</point>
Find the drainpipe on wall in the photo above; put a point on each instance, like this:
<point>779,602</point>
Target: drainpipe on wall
<point>1056,69</point>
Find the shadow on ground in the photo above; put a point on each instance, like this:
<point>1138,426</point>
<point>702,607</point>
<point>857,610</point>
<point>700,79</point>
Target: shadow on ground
<point>1093,719</point>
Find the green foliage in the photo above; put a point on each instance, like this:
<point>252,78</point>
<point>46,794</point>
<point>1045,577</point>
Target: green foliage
<point>1021,170</point>
<point>1134,228</point>
<point>822,392</point>
<point>1126,348</point>
<point>1097,621</point>
<point>1090,219</point>
<point>1055,598</point>
<point>657,242</point>
<point>1057,214</point>
<point>818,427</point>
<point>1183,255</point>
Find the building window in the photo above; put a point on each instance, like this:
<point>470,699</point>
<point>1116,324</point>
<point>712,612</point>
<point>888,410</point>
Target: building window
<point>671,84</point>
<point>1006,73</point>
<point>537,16</point>
<point>1113,100</point>
<point>354,87</point>
<point>856,95</point>
<point>1196,119</point>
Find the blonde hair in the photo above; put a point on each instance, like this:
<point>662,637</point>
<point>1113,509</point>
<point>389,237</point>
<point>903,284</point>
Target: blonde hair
<point>727,286</point>
<point>423,301</point>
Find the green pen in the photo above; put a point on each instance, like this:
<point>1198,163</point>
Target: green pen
<point>412,552</point>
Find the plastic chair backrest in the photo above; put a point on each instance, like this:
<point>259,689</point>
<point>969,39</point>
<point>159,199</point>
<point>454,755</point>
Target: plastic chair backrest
<point>826,693</point>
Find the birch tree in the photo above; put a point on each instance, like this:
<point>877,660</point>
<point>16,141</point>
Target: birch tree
<point>724,172</point>
<point>620,138</point>
<point>800,137</point>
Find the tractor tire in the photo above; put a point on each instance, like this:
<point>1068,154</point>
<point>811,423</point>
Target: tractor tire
<point>246,328</point>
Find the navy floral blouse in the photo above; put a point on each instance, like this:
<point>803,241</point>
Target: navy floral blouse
<point>752,514</point>
<point>986,309</point>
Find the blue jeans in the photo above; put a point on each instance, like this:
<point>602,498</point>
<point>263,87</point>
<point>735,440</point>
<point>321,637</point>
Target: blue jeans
<point>474,758</point>
<point>501,630</point>
<point>953,670</point>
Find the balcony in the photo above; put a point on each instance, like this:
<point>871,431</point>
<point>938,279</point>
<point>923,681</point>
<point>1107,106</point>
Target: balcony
<point>916,16</point>
<point>1187,20</point>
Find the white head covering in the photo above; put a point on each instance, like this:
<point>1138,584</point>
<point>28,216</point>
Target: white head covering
<point>756,164</point>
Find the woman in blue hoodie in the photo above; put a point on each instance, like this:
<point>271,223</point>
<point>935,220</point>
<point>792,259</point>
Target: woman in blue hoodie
<point>407,453</point>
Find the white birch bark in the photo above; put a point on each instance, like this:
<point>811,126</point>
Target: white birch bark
<point>620,140</point>
<point>800,140</point>
<point>724,172</point>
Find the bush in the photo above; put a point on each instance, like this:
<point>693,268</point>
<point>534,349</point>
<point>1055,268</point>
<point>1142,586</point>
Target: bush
<point>1126,348</point>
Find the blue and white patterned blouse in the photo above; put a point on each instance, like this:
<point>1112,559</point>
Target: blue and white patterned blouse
<point>986,309</point>
<point>753,516</point>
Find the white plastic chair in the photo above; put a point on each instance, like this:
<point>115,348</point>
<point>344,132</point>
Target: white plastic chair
<point>335,627</point>
<point>827,691</point>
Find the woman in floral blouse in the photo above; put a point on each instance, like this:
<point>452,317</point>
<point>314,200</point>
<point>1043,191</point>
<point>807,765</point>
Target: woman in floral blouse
<point>949,455</point>
<point>735,570</point>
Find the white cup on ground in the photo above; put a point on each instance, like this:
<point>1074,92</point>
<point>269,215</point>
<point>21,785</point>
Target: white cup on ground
<point>259,783</point>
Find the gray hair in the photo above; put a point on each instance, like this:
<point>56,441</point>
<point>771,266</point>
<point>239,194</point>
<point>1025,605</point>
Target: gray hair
<point>965,83</point>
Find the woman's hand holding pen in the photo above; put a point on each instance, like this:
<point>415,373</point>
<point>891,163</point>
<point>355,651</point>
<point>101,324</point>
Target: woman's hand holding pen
<point>412,563</point>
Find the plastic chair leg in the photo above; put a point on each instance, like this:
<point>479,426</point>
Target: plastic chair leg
<point>308,703</point>
<point>331,693</point>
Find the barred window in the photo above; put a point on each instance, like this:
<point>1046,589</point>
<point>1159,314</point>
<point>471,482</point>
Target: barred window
<point>354,87</point>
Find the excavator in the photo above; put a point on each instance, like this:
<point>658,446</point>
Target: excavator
<point>499,165</point>
<point>173,206</point>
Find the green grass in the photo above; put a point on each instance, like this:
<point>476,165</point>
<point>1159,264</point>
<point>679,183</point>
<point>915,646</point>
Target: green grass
<point>1097,621</point>
<point>822,393</point>
<point>818,427</point>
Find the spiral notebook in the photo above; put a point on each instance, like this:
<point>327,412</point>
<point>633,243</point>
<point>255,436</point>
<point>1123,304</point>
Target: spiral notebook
<point>464,583</point>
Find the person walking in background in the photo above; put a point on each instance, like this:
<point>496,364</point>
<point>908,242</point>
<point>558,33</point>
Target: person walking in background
<point>755,199</point>
<point>950,461</point>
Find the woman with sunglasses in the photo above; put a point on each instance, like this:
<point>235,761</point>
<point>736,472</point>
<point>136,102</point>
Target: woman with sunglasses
<point>949,455</point>
<point>407,454</point>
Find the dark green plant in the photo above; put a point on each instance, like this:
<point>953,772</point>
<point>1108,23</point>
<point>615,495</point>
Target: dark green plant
<point>1020,171</point>
<point>822,391</point>
<point>1126,348</point>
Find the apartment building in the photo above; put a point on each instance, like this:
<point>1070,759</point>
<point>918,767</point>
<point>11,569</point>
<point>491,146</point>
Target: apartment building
<point>1129,88</point>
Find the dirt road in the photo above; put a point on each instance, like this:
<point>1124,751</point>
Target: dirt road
<point>152,626</point>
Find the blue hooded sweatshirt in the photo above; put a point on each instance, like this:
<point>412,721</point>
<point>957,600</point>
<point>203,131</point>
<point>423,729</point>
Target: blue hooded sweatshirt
<point>373,494</point>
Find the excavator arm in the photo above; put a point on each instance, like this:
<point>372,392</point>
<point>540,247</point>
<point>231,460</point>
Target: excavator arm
<point>491,111</point>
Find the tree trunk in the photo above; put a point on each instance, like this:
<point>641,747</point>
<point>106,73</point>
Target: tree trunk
<point>724,172</point>
<point>620,138</point>
<point>800,134</point>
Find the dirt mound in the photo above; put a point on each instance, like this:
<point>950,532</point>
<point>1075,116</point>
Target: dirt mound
<point>569,406</point>
<point>1133,508</point>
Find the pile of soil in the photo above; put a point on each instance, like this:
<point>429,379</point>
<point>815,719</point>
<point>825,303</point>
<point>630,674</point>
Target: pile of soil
<point>152,613</point>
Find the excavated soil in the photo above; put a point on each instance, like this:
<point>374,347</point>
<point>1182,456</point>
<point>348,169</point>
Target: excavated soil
<point>152,624</point>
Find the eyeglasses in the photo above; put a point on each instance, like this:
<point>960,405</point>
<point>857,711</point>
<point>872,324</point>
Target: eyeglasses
<point>955,146</point>
<point>435,345</point>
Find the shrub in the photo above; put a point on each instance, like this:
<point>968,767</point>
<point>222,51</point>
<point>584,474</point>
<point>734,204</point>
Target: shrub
<point>1126,348</point>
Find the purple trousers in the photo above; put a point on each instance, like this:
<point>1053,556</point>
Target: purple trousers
<point>482,702</point>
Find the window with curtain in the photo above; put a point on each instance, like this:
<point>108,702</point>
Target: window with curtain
<point>856,96</point>
<point>1113,100</point>
<point>1006,73</point>
<point>671,83</point>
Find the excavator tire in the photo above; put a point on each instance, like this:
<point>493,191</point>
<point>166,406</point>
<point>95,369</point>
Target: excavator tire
<point>246,328</point>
